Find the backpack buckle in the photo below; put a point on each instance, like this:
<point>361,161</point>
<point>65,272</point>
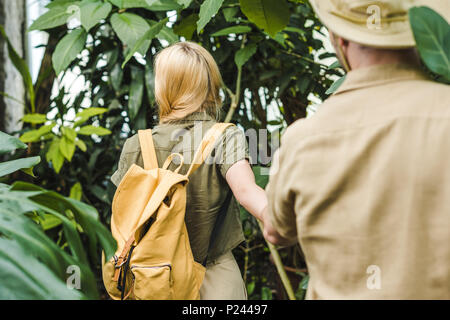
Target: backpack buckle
<point>118,266</point>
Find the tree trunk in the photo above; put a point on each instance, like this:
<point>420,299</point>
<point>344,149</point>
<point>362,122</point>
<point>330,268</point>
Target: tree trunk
<point>13,19</point>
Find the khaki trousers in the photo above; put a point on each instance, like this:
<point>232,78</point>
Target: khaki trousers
<point>223,280</point>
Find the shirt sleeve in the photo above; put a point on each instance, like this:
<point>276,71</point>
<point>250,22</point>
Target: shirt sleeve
<point>233,149</point>
<point>130,154</point>
<point>281,193</point>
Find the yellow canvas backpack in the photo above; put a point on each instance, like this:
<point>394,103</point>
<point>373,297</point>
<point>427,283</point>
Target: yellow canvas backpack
<point>154,260</point>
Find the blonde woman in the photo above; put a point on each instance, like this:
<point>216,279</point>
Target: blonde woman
<point>187,85</point>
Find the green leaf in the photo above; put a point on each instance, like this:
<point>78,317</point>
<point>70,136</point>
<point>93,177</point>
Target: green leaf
<point>92,13</point>
<point>230,13</point>
<point>14,165</point>
<point>250,288</point>
<point>131,28</point>
<point>136,91</point>
<point>184,3</point>
<point>35,135</point>
<point>52,203</point>
<point>146,37</point>
<point>296,30</point>
<point>117,3</point>
<point>304,283</point>
<point>279,37</point>
<point>261,179</point>
<point>335,65</point>
<point>186,27</point>
<point>54,155</point>
<point>80,144</point>
<point>167,34</point>
<point>70,133</point>
<point>25,277</point>
<point>432,34</point>
<point>271,16</point>
<point>90,130</point>
<point>116,77</point>
<point>53,18</point>
<point>9,143</point>
<point>67,148</point>
<point>207,10</point>
<point>232,30</point>
<point>21,66</point>
<point>154,5</point>
<point>150,83</point>
<point>266,293</point>
<point>84,215</point>
<point>244,54</point>
<point>76,191</point>
<point>335,86</point>
<point>84,115</point>
<point>68,49</point>
<point>62,3</point>
<point>49,222</point>
<point>35,118</point>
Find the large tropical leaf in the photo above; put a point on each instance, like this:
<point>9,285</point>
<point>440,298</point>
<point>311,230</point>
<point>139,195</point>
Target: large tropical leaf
<point>92,13</point>
<point>271,16</point>
<point>432,35</point>
<point>207,10</point>
<point>147,37</point>
<point>55,17</point>
<point>244,54</point>
<point>14,165</point>
<point>68,49</point>
<point>25,277</point>
<point>186,27</point>
<point>130,28</point>
<point>85,215</point>
<point>33,260</point>
<point>31,238</point>
<point>9,143</point>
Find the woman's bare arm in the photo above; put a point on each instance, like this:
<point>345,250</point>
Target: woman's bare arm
<point>241,180</point>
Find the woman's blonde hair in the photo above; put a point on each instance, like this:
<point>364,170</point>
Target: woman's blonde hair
<point>187,79</point>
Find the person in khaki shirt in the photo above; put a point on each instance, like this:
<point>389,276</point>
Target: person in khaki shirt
<point>364,184</point>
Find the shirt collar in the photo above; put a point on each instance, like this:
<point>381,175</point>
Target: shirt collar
<point>191,118</point>
<point>379,75</point>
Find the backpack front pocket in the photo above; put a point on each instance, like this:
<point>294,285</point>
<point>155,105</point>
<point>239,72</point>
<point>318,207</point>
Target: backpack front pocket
<point>153,282</point>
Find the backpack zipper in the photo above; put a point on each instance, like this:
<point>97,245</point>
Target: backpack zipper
<point>153,267</point>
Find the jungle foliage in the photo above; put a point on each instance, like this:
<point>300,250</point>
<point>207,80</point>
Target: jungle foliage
<point>269,53</point>
<point>267,61</point>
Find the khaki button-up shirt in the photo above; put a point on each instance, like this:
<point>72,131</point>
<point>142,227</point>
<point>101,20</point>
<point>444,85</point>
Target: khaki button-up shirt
<point>209,198</point>
<point>364,186</point>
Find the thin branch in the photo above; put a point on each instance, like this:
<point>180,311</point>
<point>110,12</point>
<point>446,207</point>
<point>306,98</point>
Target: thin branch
<point>236,96</point>
<point>280,268</point>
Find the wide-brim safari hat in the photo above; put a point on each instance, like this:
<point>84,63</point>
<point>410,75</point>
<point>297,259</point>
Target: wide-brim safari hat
<point>381,24</point>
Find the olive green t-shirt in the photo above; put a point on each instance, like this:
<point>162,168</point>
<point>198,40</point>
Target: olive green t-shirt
<point>209,198</point>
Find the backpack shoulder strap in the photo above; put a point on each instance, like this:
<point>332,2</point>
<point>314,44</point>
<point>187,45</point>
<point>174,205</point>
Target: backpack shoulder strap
<point>148,149</point>
<point>207,145</point>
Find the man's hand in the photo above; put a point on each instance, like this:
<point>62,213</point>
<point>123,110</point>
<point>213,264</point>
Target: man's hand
<point>271,234</point>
